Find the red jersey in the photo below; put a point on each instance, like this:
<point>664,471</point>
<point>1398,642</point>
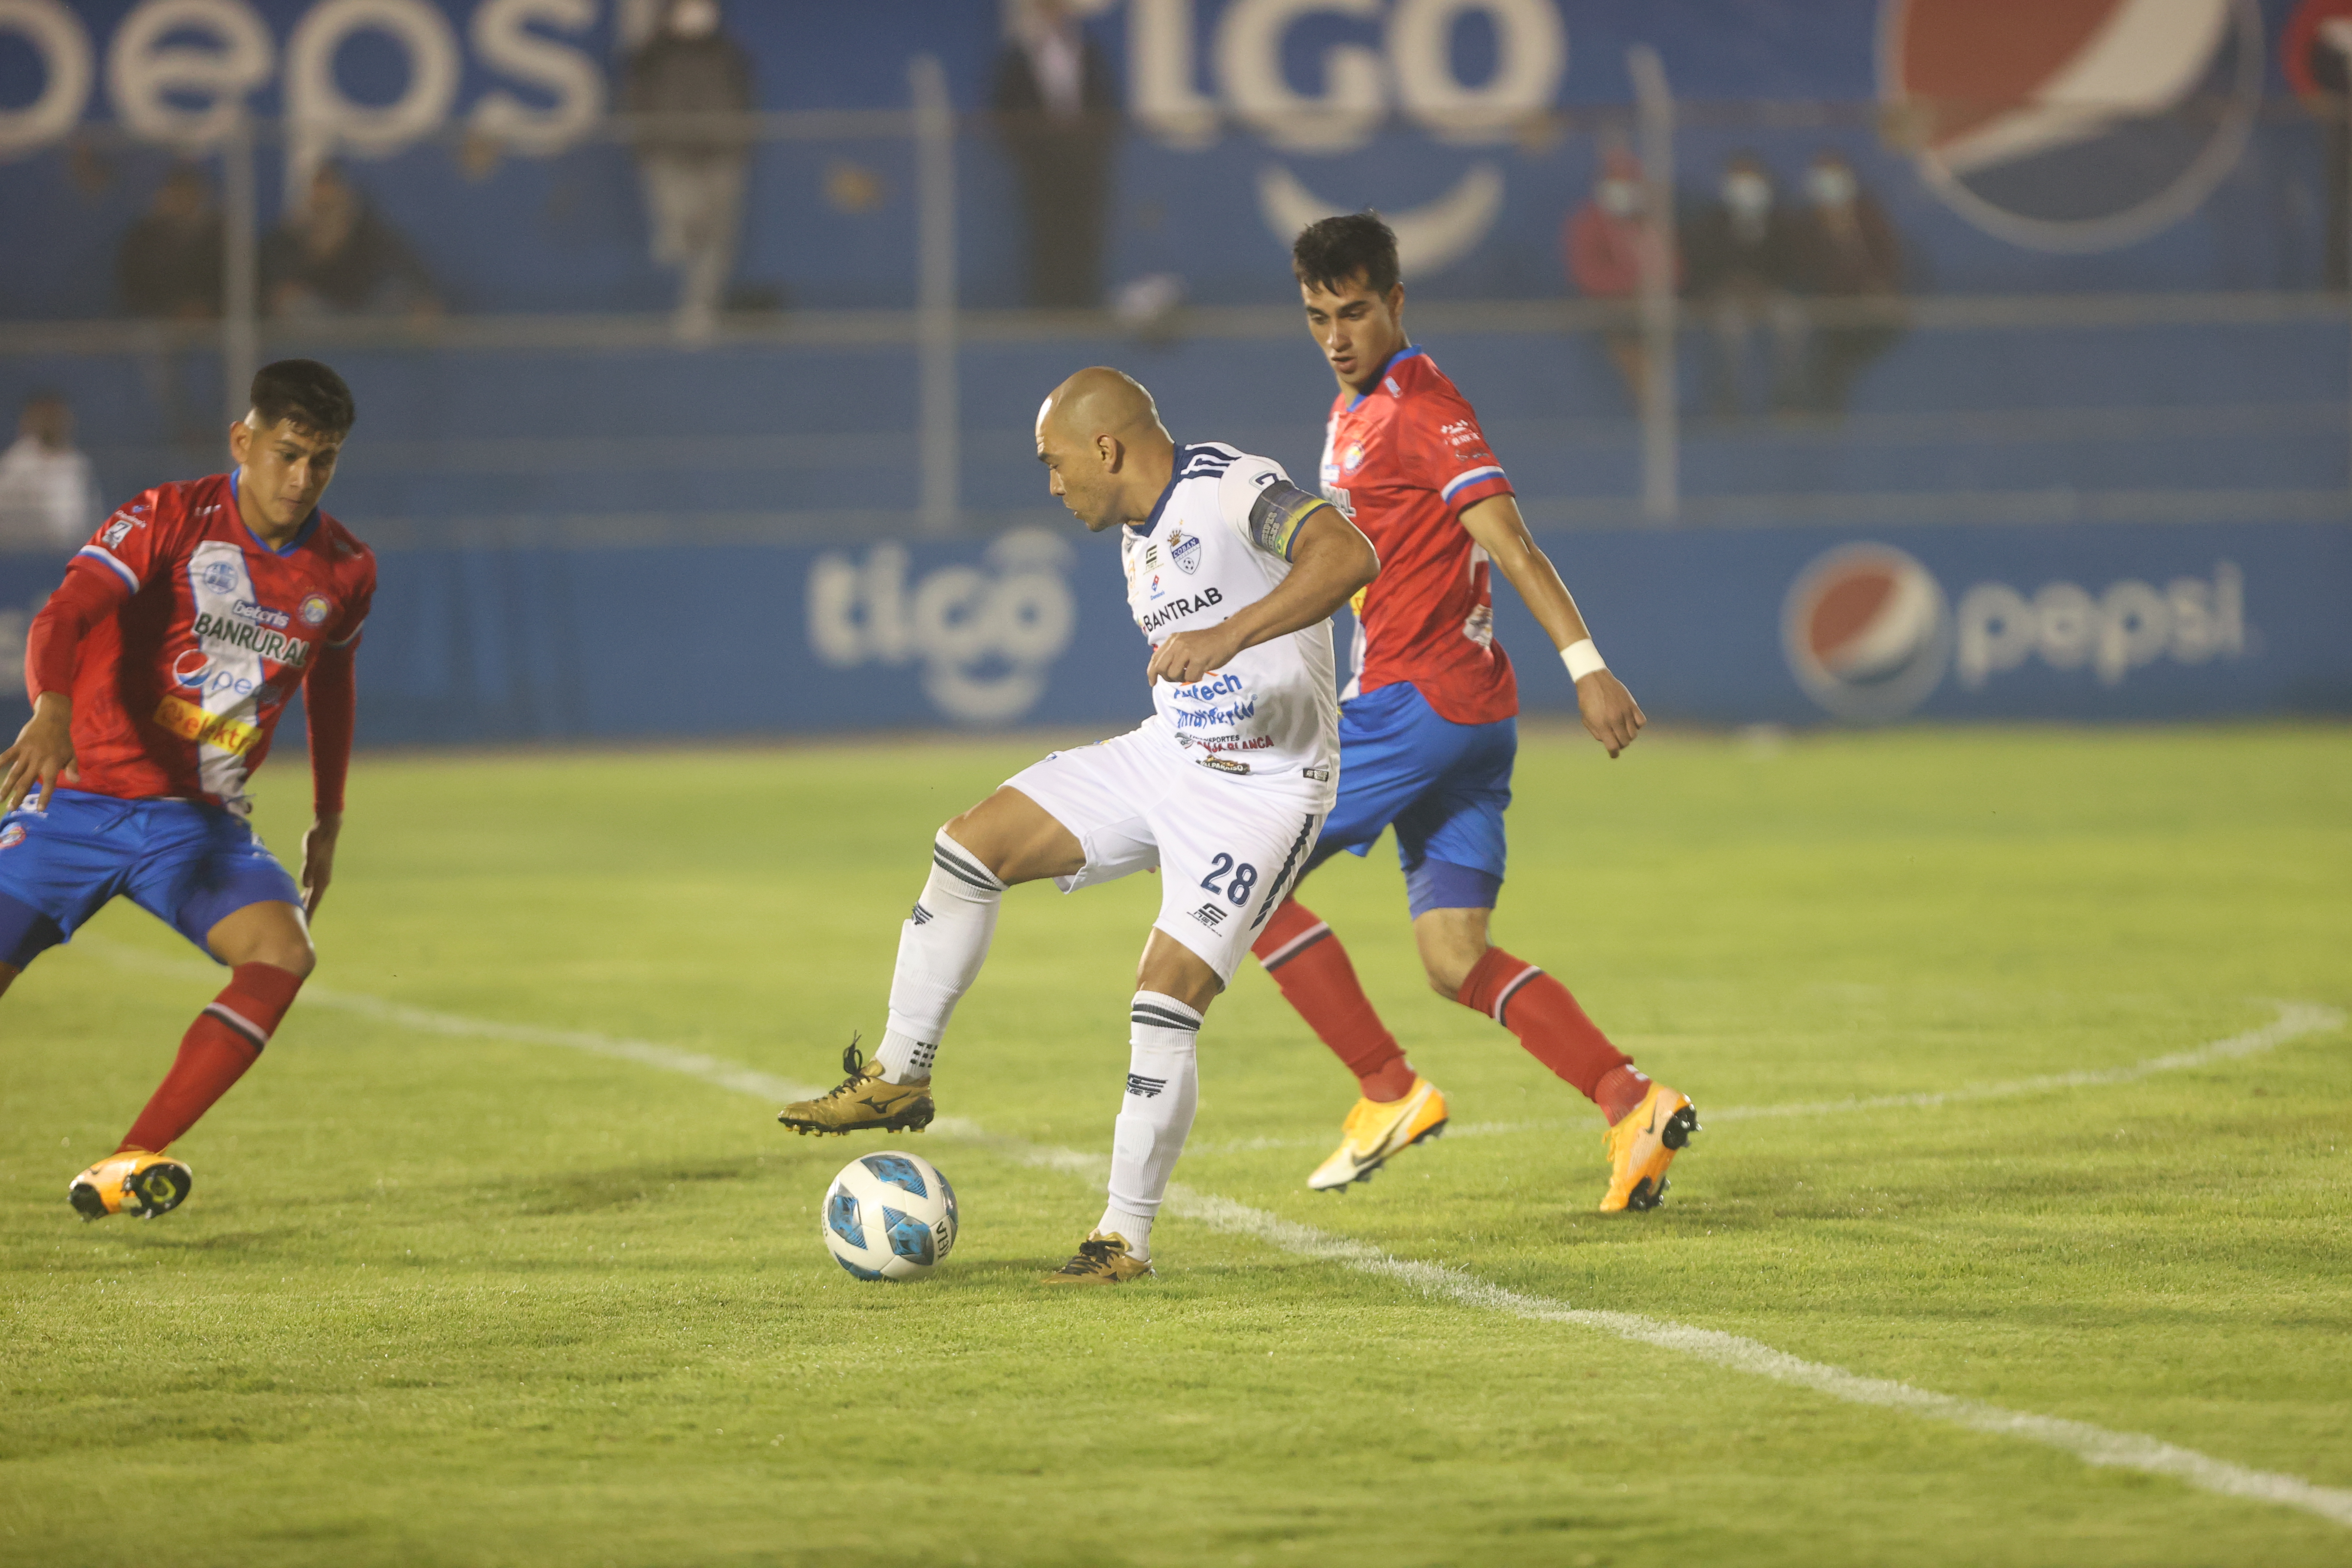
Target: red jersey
<point>178,691</point>
<point>1405,461</point>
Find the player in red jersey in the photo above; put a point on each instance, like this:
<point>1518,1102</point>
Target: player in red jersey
<point>158,671</point>
<point>1428,730</point>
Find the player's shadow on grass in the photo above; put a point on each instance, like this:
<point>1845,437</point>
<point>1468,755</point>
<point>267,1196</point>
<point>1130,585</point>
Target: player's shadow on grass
<point>625,1186</point>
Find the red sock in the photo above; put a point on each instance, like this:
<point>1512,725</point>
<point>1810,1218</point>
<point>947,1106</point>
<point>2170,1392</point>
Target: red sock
<point>226,1039</point>
<point>1307,962</point>
<point>1554,1029</point>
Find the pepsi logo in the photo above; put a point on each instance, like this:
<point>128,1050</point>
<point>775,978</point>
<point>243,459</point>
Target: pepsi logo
<point>2072,125</point>
<point>1867,632</point>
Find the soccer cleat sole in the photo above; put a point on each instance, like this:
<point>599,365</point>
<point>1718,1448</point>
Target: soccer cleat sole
<point>157,1190</point>
<point>1434,1130</point>
<point>913,1121</point>
<point>1674,1135</point>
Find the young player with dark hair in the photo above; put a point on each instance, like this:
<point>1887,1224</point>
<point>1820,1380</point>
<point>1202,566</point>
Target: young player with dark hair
<point>158,671</point>
<point>1428,733</point>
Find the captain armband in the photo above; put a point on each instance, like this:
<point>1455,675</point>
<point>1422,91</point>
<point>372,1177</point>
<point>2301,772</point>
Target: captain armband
<point>1275,516</point>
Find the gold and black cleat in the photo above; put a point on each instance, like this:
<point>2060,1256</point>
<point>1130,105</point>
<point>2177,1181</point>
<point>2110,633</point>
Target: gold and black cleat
<point>1101,1260</point>
<point>862,1102</point>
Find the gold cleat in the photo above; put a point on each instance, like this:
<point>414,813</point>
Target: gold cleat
<point>133,1182</point>
<point>1642,1144</point>
<point>1376,1131</point>
<point>862,1102</point>
<point>1101,1260</point>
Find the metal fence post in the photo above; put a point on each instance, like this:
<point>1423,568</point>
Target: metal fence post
<point>939,430</point>
<point>240,335</point>
<point>1661,408</point>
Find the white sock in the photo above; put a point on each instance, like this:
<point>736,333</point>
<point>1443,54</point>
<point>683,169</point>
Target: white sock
<point>1163,1089</point>
<point>940,949</point>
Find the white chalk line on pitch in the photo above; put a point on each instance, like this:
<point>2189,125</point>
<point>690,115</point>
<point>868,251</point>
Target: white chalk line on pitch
<point>2091,1445</point>
<point>2295,1020</point>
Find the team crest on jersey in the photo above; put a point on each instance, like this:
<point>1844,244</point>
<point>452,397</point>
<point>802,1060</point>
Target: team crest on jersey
<point>218,577</point>
<point>1352,459</point>
<point>12,835</point>
<point>1184,549</point>
<point>315,610</point>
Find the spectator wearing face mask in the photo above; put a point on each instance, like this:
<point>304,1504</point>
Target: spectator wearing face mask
<point>1842,247</point>
<point>694,173</point>
<point>1602,241</point>
<point>1738,247</point>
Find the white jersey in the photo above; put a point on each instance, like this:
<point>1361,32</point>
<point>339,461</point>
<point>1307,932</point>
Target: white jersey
<point>1219,541</point>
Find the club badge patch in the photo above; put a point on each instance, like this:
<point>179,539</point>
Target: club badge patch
<point>315,611</point>
<point>1184,549</point>
<point>12,835</point>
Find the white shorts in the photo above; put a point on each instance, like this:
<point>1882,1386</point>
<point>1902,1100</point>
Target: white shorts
<point>1227,850</point>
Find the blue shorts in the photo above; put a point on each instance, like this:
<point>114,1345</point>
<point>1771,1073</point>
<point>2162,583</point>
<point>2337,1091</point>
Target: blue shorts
<point>1441,785</point>
<point>188,864</point>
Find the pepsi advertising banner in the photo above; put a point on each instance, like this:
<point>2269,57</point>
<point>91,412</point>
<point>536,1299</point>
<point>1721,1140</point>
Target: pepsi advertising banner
<point>2091,622</point>
<point>2015,144</point>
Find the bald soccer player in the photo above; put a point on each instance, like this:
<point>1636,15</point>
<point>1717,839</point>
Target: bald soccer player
<point>1232,573</point>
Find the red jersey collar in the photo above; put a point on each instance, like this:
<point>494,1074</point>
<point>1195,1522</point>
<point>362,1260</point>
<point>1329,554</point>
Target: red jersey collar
<point>1387,364</point>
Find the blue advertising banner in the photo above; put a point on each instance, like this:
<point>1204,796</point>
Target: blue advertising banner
<point>2127,147</point>
<point>1784,626</point>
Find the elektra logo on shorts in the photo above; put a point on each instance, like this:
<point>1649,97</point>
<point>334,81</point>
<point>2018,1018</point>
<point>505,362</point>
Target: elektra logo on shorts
<point>1870,635</point>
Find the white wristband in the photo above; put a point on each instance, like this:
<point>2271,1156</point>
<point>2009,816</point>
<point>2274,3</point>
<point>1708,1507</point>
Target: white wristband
<point>1582,659</point>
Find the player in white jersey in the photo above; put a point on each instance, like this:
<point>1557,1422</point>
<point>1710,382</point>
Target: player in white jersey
<point>1232,573</point>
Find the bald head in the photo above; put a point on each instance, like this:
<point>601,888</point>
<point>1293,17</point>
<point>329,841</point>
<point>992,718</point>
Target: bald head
<point>1100,401</point>
<point>1100,436</point>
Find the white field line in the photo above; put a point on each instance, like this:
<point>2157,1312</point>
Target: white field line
<point>2295,1020</point>
<point>2091,1445</point>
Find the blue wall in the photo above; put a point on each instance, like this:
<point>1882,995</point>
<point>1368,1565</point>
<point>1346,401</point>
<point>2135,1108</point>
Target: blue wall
<point>492,645</point>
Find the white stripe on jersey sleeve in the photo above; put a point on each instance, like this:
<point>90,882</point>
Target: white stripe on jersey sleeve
<point>107,557</point>
<point>1491,472</point>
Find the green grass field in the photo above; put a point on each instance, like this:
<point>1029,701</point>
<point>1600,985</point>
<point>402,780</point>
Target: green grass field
<point>477,1294</point>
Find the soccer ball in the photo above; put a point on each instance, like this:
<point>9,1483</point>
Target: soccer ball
<point>889,1217</point>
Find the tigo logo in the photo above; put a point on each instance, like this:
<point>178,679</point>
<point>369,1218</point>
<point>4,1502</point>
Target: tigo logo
<point>1866,632</point>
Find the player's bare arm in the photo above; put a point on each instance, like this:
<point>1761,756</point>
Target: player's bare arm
<point>43,756</point>
<point>1331,560</point>
<point>1611,715</point>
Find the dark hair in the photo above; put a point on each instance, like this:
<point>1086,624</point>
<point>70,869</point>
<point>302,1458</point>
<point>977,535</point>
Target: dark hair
<point>306,392</point>
<point>1329,251</point>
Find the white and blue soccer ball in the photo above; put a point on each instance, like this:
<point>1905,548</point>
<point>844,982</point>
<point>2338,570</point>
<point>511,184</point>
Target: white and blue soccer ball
<point>889,1217</point>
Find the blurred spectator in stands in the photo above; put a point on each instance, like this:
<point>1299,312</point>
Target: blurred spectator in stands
<point>2326,84</point>
<point>1842,248</point>
<point>694,154</point>
<point>1057,109</point>
<point>335,255</point>
<point>48,498</point>
<point>1738,247</point>
<point>169,263</point>
<point>1602,241</point>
